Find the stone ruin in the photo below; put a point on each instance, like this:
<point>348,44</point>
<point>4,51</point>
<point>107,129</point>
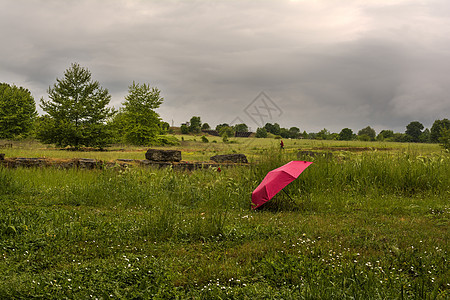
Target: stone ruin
<point>230,158</point>
<point>154,158</point>
<point>163,155</point>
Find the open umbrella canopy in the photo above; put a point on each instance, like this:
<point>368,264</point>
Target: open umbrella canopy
<point>276,180</point>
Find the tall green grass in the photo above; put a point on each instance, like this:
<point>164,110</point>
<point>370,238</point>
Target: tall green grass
<point>370,225</point>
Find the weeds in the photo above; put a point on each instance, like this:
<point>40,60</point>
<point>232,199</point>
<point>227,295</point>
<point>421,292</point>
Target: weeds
<point>360,225</point>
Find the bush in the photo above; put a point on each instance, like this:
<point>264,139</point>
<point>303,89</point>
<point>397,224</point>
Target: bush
<point>205,139</point>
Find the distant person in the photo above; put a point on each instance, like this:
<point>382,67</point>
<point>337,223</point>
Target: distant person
<point>281,145</point>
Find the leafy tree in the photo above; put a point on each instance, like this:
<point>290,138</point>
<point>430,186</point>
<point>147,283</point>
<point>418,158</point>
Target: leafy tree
<point>385,134</point>
<point>294,132</point>
<point>219,127</point>
<point>139,123</point>
<point>261,133</point>
<point>184,129</point>
<point>76,111</point>
<point>367,134</point>
<point>304,134</point>
<point>165,127</point>
<point>346,134</point>
<point>425,136</point>
<point>240,127</point>
<point>17,111</point>
<point>400,137</point>
<point>414,130</point>
<point>324,134</point>
<point>226,131</point>
<point>205,126</point>
<point>445,138</point>
<point>195,125</point>
<point>273,128</point>
<point>436,129</point>
<point>284,133</point>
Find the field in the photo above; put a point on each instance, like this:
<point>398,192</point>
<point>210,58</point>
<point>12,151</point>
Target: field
<point>371,221</point>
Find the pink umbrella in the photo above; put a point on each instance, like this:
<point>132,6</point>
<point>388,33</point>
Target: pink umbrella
<point>276,180</point>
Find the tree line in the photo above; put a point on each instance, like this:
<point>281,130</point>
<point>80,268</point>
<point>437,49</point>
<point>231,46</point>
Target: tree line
<point>77,114</point>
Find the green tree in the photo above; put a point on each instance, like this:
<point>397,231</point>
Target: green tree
<point>444,139</point>
<point>414,130</point>
<point>76,111</point>
<point>141,124</point>
<point>261,133</point>
<point>219,127</point>
<point>324,134</point>
<point>425,136</point>
<point>294,132</point>
<point>367,134</point>
<point>17,111</point>
<point>273,128</point>
<point>436,129</point>
<point>385,135</point>
<point>346,134</point>
<point>205,126</point>
<point>195,125</point>
<point>226,131</point>
<point>184,129</point>
<point>240,127</point>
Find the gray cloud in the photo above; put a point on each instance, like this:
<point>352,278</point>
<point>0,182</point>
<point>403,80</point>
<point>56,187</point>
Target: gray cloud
<point>325,64</point>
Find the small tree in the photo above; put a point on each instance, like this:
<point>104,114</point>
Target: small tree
<point>17,111</point>
<point>140,123</point>
<point>367,134</point>
<point>241,127</point>
<point>184,129</point>
<point>205,126</point>
<point>294,132</point>
<point>346,134</point>
<point>261,133</point>
<point>76,111</point>
<point>414,130</point>
<point>385,135</point>
<point>436,129</point>
<point>445,138</point>
<point>195,125</point>
<point>324,134</point>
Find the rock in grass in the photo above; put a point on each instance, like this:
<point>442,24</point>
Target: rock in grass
<point>233,158</point>
<point>163,155</point>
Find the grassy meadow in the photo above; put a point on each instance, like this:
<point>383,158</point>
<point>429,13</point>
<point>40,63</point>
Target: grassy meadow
<point>369,222</point>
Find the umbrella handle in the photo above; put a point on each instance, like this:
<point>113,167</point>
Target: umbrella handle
<point>288,196</point>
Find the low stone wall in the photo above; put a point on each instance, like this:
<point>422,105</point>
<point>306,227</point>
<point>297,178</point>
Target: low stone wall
<point>91,164</point>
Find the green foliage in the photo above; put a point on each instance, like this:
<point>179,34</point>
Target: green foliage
<point>184,129</point>
<point>195,125</point>
<point>385,135</point>
<point>205,139</point>
<point>17,111</point>
<point>226,131</point>
<point>273,128</point>
<point>414,130</point>
<point>436,129</point>
<point>137,122</point>
<point>324,134</point>
<point>346,134</point>
<point>445,138</point>
<point>240,127</point>
<point>76,111</point>
<point>261,132</point>
<point>205,126</point>
<point>367,134</point>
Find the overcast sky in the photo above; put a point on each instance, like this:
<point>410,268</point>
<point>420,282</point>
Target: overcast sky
<point>320,64</point>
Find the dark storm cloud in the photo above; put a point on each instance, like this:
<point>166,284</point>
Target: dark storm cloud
<point>325,64</point>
